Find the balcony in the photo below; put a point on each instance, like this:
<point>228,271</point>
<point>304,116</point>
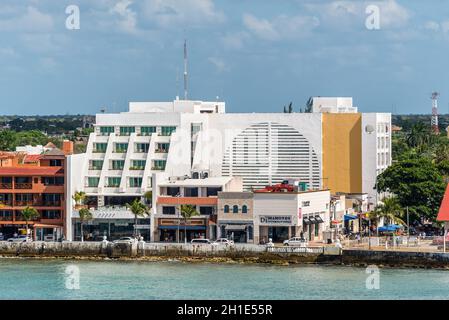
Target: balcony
<point>23,186</point>
<point>187,200</point>
<point>5,185</point>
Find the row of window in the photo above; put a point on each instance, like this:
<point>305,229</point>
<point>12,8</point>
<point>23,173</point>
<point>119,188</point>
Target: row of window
<point>45,214</point>
<point>144,131</point>
<point>120,164</point>
<point>235,209</point>
<point>122,147</point>
<point>114,182</point>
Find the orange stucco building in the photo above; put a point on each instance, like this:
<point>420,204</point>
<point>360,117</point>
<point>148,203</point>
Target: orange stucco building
<point>38,181</point>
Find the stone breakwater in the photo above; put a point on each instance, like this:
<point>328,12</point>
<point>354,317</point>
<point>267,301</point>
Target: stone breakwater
<point>222,254</point>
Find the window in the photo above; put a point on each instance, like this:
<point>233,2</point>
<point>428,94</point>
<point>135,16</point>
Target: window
<point>92,182</point>
<point>121,147</point>
<point>146,131</point>
<point>211,191</point>
<point>51,199</point>
<point>126,131</point>
<point>138,164</point>
<point>135,182</point>
<point>53,181</point>
<point>142,147</point>
<point>244,209</point>
<point>169,210</point>
<point>207,211</point>
<point>96,164</point>
<point>100,147</point>
<point>317,229</point>
<point>51,214</point>
<point>190,192</point>
<point>55,163</point>
<point>226,209</point>
<point>159,164</point>
<point>167,131</point>
<point>5,215</point>
<point>235,209</point>
<point>118,164</point>
<point>114,182</point>
<point>105,131</point>
<point>162,147</point>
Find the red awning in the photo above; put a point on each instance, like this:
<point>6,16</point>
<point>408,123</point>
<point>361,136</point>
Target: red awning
<point>443,213</point>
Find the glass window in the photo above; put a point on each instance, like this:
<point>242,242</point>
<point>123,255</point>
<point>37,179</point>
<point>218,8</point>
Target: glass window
<point>168,210</point>
<point>96,164</point>
<point>105,131</point>
<point>146,131</point>
<point>135,182</point>
<point>167,131</point>
<point>118,164</point>
<point>235,209</point>
<point>244,209</point>
<point>162,147</point>
<point>114,181</point>
<point>317,229</point>
<point>100,147</point>
<point>138,164</point>
<point>126,131</point>
<point>226,209</point>
<point>55,163</point>
<point>121,147</point>
<point>159,164</point>
<point>142,147</point>
<point>93,182</point>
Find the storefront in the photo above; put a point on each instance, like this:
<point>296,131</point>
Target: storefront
<point>276,228</point>
<point>313,227</point>
<point>238,231</point>
<point>175,230</point>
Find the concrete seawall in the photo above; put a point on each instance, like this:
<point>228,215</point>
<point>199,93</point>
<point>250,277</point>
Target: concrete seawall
<point>240,253</point>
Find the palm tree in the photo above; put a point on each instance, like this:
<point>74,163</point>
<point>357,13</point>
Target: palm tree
<point>85,215</point>
<point>390,210</point>
<point>79,197</point>
<point>187,212</point>
<point>29,213</point>
<point>139,210</point>
<point>418,136</point>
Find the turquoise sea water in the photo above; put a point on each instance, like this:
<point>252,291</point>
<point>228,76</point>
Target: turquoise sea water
<point>46,279</point>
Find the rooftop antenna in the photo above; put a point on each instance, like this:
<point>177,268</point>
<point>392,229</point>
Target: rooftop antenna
<point>177,83</point>
<point>434,121</point>
<point>185,69</point>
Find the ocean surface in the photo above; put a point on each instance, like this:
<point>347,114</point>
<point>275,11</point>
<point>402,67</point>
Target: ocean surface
<point>64,279</point>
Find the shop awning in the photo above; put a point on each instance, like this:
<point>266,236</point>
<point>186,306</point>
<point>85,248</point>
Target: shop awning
<point>318,219</point>
<point>350,217</point>
<point>235,227</point>
<point>306,221</point>
<point>312,220</point>
<point>182,227</point>
<point>51,226</point>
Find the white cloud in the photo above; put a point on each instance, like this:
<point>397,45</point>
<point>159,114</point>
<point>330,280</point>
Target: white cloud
<point>187,13</point>
<point>219,64</point>
<point>128,18</point>
<point>32,20</point>
<point>432,25</point>
<point>280,27</point>
<point>235,40</point>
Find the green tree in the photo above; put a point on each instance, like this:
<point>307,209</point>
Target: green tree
<point>390,210</point>
<point>148,197</point>
<point>32,137</point>
<point>187,212</point>
<point>79,197</point>
<point>7,138</point>
<point>29,213</point>
<point>85,215</point>
<point>418,136</point>
<point>139,210</point>
<point>417,183</point>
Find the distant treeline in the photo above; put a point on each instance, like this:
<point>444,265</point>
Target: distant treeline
<point>406,121</point>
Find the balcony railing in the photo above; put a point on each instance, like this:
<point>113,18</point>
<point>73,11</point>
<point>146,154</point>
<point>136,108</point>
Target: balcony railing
<point>5,185</point>
<point>7,218</point>
<point>157,168</point>
<point>161,150</point>
<point>23,186</point>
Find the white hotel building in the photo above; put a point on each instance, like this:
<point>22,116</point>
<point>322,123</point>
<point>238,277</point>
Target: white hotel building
<point>340,150</point>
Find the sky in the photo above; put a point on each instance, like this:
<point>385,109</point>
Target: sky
<point>256,55</point>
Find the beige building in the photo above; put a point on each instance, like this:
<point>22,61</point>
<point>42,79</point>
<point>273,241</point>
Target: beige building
<point>235,216</point>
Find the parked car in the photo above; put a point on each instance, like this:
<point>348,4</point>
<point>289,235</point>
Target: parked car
<point>224,241</point>
<point>200,241</point>
<point>296,242</point>
<point>129,240</point>
<point>22,238</point>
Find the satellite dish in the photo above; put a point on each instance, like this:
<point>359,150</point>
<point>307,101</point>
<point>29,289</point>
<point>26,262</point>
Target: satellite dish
<point>369,128</point>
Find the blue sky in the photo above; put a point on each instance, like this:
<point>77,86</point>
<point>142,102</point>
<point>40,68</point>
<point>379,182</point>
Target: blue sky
<point>255,55</point>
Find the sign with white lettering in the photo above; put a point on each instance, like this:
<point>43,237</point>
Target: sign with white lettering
<point>142,226</point>
<point>269,220</point>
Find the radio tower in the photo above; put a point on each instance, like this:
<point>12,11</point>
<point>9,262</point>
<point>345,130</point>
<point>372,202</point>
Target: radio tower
<point>434,120</point>
<point>185,69</point>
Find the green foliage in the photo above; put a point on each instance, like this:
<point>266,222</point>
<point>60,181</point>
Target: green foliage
<point>138,208</point>
<point>79,197</point>
<point>29,213</point>
<point>417,183</point>
<point>9,139</point>
<point>85,214</point>
<point>188,211</point>
<point>390,210</point>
